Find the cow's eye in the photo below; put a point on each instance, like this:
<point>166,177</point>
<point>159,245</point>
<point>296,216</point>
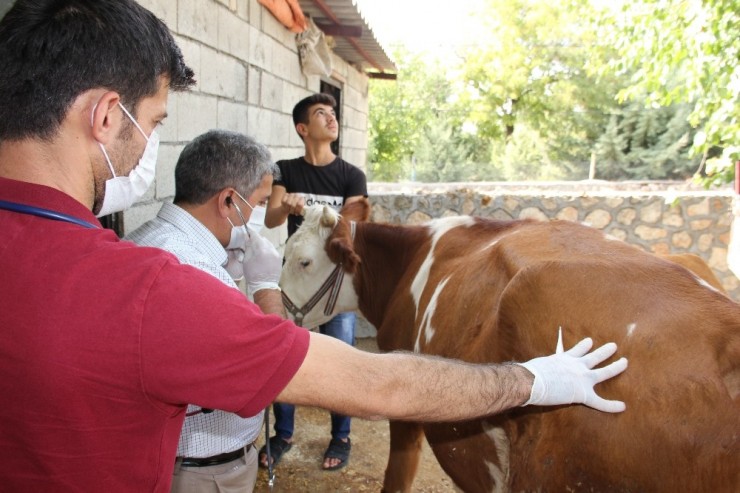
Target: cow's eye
<point>305,263</point>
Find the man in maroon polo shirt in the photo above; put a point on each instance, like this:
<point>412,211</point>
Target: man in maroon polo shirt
<point>106,343</point>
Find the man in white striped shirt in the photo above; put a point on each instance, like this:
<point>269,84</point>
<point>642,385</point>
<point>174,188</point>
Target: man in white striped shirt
<point>220,178</point>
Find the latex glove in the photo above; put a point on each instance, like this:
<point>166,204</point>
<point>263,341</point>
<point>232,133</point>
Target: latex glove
<point>234,260</point>
<point>569,378</point>
<point>235,253</point>
<point>262,264</point>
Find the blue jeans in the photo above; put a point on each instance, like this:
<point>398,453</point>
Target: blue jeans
<point>341,327</point>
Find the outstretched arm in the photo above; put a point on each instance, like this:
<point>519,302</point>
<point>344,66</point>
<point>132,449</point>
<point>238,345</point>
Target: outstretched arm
<point>413,387</point>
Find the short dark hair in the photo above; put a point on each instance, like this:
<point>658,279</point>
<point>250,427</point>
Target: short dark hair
<point>219,159</point>
<point>51,51</point>
<point>300,110</point>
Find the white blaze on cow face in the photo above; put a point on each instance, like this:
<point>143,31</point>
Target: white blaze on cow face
<point>307,266</point>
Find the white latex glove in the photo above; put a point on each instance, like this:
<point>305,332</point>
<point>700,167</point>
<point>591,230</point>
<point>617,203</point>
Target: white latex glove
<point>234,266</point>
<point>262,264</point>
<point>568,378</point>
<point>235,253</point>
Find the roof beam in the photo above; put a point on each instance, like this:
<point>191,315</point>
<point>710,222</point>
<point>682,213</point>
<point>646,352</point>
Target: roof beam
<point>327,11</point>
<point>382,75</point>
<point>339,30</point>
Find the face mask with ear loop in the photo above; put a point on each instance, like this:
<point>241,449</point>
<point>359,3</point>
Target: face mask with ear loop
<point>257,218</point>
<point>238,243</point>
<point>121,192</point>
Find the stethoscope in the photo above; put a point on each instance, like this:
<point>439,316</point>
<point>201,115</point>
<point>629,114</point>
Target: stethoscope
<point>45,213</point>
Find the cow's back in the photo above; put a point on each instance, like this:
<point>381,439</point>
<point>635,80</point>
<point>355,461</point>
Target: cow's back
<point>497,292</point>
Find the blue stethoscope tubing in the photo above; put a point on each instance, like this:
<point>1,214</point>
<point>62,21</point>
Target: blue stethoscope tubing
<point>45,213</point>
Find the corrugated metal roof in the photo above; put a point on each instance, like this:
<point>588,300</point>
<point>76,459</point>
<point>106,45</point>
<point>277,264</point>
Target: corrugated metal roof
<point>365,52</point>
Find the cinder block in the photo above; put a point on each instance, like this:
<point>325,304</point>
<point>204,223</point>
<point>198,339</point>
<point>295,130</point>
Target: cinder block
<point>233,35</point>
<point>223,75</point>
<point>166,161</point>
<point>198,20</point>
<point>271,96</point>
<point>259,122</point>
<point>254,85</point>
<point>255,13</point>
<point>196,114</point>
<point>260,49</point>
<point>232,116</point>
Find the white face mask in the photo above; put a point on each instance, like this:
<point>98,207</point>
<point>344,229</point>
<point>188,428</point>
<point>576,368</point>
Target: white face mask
<point>240,236</point>
<point>257,218</point>
<point>237,244</point>
<point>121,192</point>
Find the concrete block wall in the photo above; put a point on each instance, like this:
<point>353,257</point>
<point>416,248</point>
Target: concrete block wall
<point>249,78</point>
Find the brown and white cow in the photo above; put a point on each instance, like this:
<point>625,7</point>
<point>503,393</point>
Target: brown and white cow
<point>490,291</point>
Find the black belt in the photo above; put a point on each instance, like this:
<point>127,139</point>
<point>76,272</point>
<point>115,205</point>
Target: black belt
<point>216,459</point>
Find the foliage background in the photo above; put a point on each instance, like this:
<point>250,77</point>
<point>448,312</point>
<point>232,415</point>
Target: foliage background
<point>568,90</point>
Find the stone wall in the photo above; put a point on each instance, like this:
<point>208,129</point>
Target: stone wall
<point>660,217</point>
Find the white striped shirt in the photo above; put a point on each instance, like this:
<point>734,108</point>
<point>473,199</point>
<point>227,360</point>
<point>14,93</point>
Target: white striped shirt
<point>175,230</point>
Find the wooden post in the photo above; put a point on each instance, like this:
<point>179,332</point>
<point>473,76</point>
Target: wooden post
<point>592,168</point>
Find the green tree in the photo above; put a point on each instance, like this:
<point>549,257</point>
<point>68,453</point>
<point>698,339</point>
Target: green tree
<point>533,72</point>
<point>532,68</point>
<point>416,125</point>
<point>399,112</point>
<point>684,51</point>
<point>447,153</point>
<point>646,143</point>
<point>537,100</point>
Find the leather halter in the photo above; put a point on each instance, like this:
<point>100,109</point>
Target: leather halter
<point>333,283</point>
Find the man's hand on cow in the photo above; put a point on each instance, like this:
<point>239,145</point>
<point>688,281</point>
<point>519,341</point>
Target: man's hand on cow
<point>262,264</point>
<point>568,377</point>
<point>293,203</point>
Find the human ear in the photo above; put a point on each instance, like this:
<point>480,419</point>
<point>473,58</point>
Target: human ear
<point>104,126</point>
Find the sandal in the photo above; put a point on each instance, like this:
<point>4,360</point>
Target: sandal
<point>338,450</point>
<point>278,447</point>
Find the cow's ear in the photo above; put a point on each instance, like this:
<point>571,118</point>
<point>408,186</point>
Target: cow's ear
<point>358,210</point>
<point>340,248</point>
<point>328,217</point>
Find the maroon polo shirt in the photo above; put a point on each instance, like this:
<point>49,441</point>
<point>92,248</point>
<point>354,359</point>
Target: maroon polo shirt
<point>103,345</point>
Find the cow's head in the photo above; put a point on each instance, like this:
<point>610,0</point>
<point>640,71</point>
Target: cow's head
<point>317,277</point>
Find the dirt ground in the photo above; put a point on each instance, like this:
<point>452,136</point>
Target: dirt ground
<point>300,469</point>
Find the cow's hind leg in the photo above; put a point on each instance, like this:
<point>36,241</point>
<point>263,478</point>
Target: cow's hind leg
<point>403,460</point>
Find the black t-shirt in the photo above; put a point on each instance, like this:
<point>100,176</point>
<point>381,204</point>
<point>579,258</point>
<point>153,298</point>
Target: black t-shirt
<point>329,185</point>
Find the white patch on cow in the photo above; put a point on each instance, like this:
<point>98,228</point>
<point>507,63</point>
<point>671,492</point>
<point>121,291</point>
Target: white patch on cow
<point>631,328</point>
<point>499,473</point>
<point>426,321</point>
<point>437,228</point>
<point>705,284</point>
<point>490,245</point>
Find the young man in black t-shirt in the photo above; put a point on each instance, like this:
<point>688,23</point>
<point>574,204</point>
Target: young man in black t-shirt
<point>318,177</point>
